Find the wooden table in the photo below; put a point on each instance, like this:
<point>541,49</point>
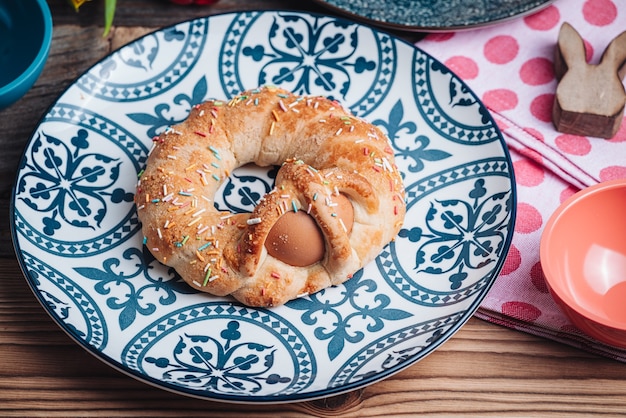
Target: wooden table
<point>483,370</point>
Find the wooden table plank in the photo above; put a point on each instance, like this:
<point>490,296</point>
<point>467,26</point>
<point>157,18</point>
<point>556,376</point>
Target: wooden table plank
<point>484,369</point>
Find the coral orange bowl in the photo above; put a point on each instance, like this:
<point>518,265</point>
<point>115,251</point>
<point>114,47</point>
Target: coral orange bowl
<point>583,256</point>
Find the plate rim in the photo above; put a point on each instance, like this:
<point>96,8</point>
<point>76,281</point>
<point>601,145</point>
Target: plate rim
<point>398,26</point>
<point>266,399</point>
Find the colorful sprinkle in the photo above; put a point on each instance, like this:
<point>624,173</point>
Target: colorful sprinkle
<point>198,212</point>
<point>194,221</point>
<point>207,276</point>
<point>205,246</point>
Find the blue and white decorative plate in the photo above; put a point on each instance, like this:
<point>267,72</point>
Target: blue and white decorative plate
<point>434,15</point>
<point>79,242</point>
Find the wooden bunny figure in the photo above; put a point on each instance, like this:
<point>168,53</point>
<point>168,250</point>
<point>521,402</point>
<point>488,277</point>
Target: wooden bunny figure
<point>589,98</point>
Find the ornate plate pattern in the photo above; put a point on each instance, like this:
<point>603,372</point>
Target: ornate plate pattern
<point>76,230</point>
<point>433,16</point>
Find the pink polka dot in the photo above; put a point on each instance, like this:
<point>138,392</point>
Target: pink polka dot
<point>567,193</point>
<point>544,20</point>
<point>532,155</point>
<point>537,279</point>
<point>521,310</point>
<point>620,136</point>
<point>500,99</point>
<point>527,173</point>
<point>439,36</point>
<point>512,262</point>
<point>528,219</point>
<point>573,144</point>
<point>502,125</point>
<point>599,12</point>
<point>541,107</point>
<point>612,173</point>
<point>588,51</point>
<point>464,67</point>
<point>535,133</point>
<point>501,49</point>
<point>537,71</point>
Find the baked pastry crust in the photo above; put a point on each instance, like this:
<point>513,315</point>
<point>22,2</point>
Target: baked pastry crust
<point>323,151</point>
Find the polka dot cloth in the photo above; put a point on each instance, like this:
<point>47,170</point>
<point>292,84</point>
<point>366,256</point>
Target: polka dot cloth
<point>510,67</point>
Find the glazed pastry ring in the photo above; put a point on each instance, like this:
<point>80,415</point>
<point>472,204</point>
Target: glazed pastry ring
<point>337,190</point>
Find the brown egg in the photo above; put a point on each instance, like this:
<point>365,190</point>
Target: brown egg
<point>344,211</point>
<point>296,239</point>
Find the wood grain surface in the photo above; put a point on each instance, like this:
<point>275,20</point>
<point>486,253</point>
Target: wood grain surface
<point>483,370</point>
